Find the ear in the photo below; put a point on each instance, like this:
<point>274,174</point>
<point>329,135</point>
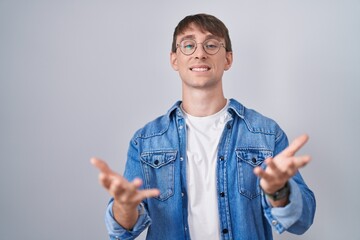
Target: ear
<point>173,61</point>
<point>228,60</point>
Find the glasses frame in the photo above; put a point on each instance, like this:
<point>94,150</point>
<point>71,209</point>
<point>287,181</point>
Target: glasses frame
<point>178,45</point>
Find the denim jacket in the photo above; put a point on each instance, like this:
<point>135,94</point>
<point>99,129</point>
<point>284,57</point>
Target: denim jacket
<point>157,155</point>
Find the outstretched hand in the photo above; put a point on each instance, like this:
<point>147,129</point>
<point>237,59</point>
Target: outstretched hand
<point>127,195</point>
<point>283,166</point>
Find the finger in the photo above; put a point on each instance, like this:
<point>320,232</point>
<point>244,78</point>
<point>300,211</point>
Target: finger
<point>133,187</point>
<point>258,171</point>
<point>295,145</point>
<point>137,182</point>
<point>148,193</point>
<point>272,166</point>
<point>301,161</point>
<point>104,180</point>
<point>142,194</point>
<point>293,165</point>
<point>101,165</point>
<point>119,188</point>
<point>283,169</point>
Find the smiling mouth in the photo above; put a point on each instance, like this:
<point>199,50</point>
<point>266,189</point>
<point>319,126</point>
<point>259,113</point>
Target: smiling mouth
<point>200,69</point>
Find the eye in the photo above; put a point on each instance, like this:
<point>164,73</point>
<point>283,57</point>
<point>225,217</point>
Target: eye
<point>212,44</point>
<point>188,44</point>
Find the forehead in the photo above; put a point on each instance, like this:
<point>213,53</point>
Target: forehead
<point>195,32</point>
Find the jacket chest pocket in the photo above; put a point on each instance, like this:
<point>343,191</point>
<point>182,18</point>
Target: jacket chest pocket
<point>247,160</point>
<point>158,167</point>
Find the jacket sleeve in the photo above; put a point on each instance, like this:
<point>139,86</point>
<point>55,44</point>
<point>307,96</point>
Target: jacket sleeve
<point>116,231</point>
<point>132,170</point>
<point>298,215</point>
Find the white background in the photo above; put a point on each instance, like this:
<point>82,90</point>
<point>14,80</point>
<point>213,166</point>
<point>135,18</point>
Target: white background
<point>78,77</point>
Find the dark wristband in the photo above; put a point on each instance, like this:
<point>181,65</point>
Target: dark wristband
<point>279,194</point>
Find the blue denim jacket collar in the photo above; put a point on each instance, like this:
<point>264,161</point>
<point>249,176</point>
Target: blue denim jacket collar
<point>237,107</point>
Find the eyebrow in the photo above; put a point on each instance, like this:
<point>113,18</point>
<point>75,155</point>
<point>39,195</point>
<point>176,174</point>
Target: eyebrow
<point>191,36</point>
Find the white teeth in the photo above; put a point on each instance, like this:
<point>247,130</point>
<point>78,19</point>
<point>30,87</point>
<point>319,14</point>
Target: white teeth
<point>199,69</point>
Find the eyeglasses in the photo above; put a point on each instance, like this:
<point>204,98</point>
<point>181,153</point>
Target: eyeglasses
<point>210,46</point>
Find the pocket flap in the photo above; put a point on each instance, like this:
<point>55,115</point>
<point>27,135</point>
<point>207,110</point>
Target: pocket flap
<point>159,158</point>
<point>253,156</point>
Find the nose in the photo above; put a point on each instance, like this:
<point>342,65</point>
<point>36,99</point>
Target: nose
<point>200,52</point>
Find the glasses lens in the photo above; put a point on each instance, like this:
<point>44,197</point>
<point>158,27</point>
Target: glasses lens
<point>188,46</point>
<point>211,46</point>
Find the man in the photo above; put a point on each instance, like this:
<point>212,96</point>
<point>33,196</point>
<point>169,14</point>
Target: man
<point>209,168</point>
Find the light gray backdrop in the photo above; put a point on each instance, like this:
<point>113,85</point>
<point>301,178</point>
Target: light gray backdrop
<point>78,77</point>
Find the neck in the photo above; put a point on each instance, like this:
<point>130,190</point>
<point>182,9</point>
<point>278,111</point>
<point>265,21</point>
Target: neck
<point>201,103</point>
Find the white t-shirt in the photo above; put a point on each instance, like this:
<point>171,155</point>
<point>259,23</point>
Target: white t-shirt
<point>203,136</point>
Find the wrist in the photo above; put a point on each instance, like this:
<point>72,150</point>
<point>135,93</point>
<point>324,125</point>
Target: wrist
<point>125,216</point>
<point>280,194</point>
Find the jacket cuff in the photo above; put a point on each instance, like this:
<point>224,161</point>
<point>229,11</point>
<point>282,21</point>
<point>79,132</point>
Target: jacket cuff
<point>116,231</point>
<point>281,218</point>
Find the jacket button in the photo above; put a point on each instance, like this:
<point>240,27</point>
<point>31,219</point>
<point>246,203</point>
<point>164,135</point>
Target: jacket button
<point>221,158</point>
<point>225,231</point>
<point>156,162</point>
<point>253,160</point>
<point>222,194</point>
